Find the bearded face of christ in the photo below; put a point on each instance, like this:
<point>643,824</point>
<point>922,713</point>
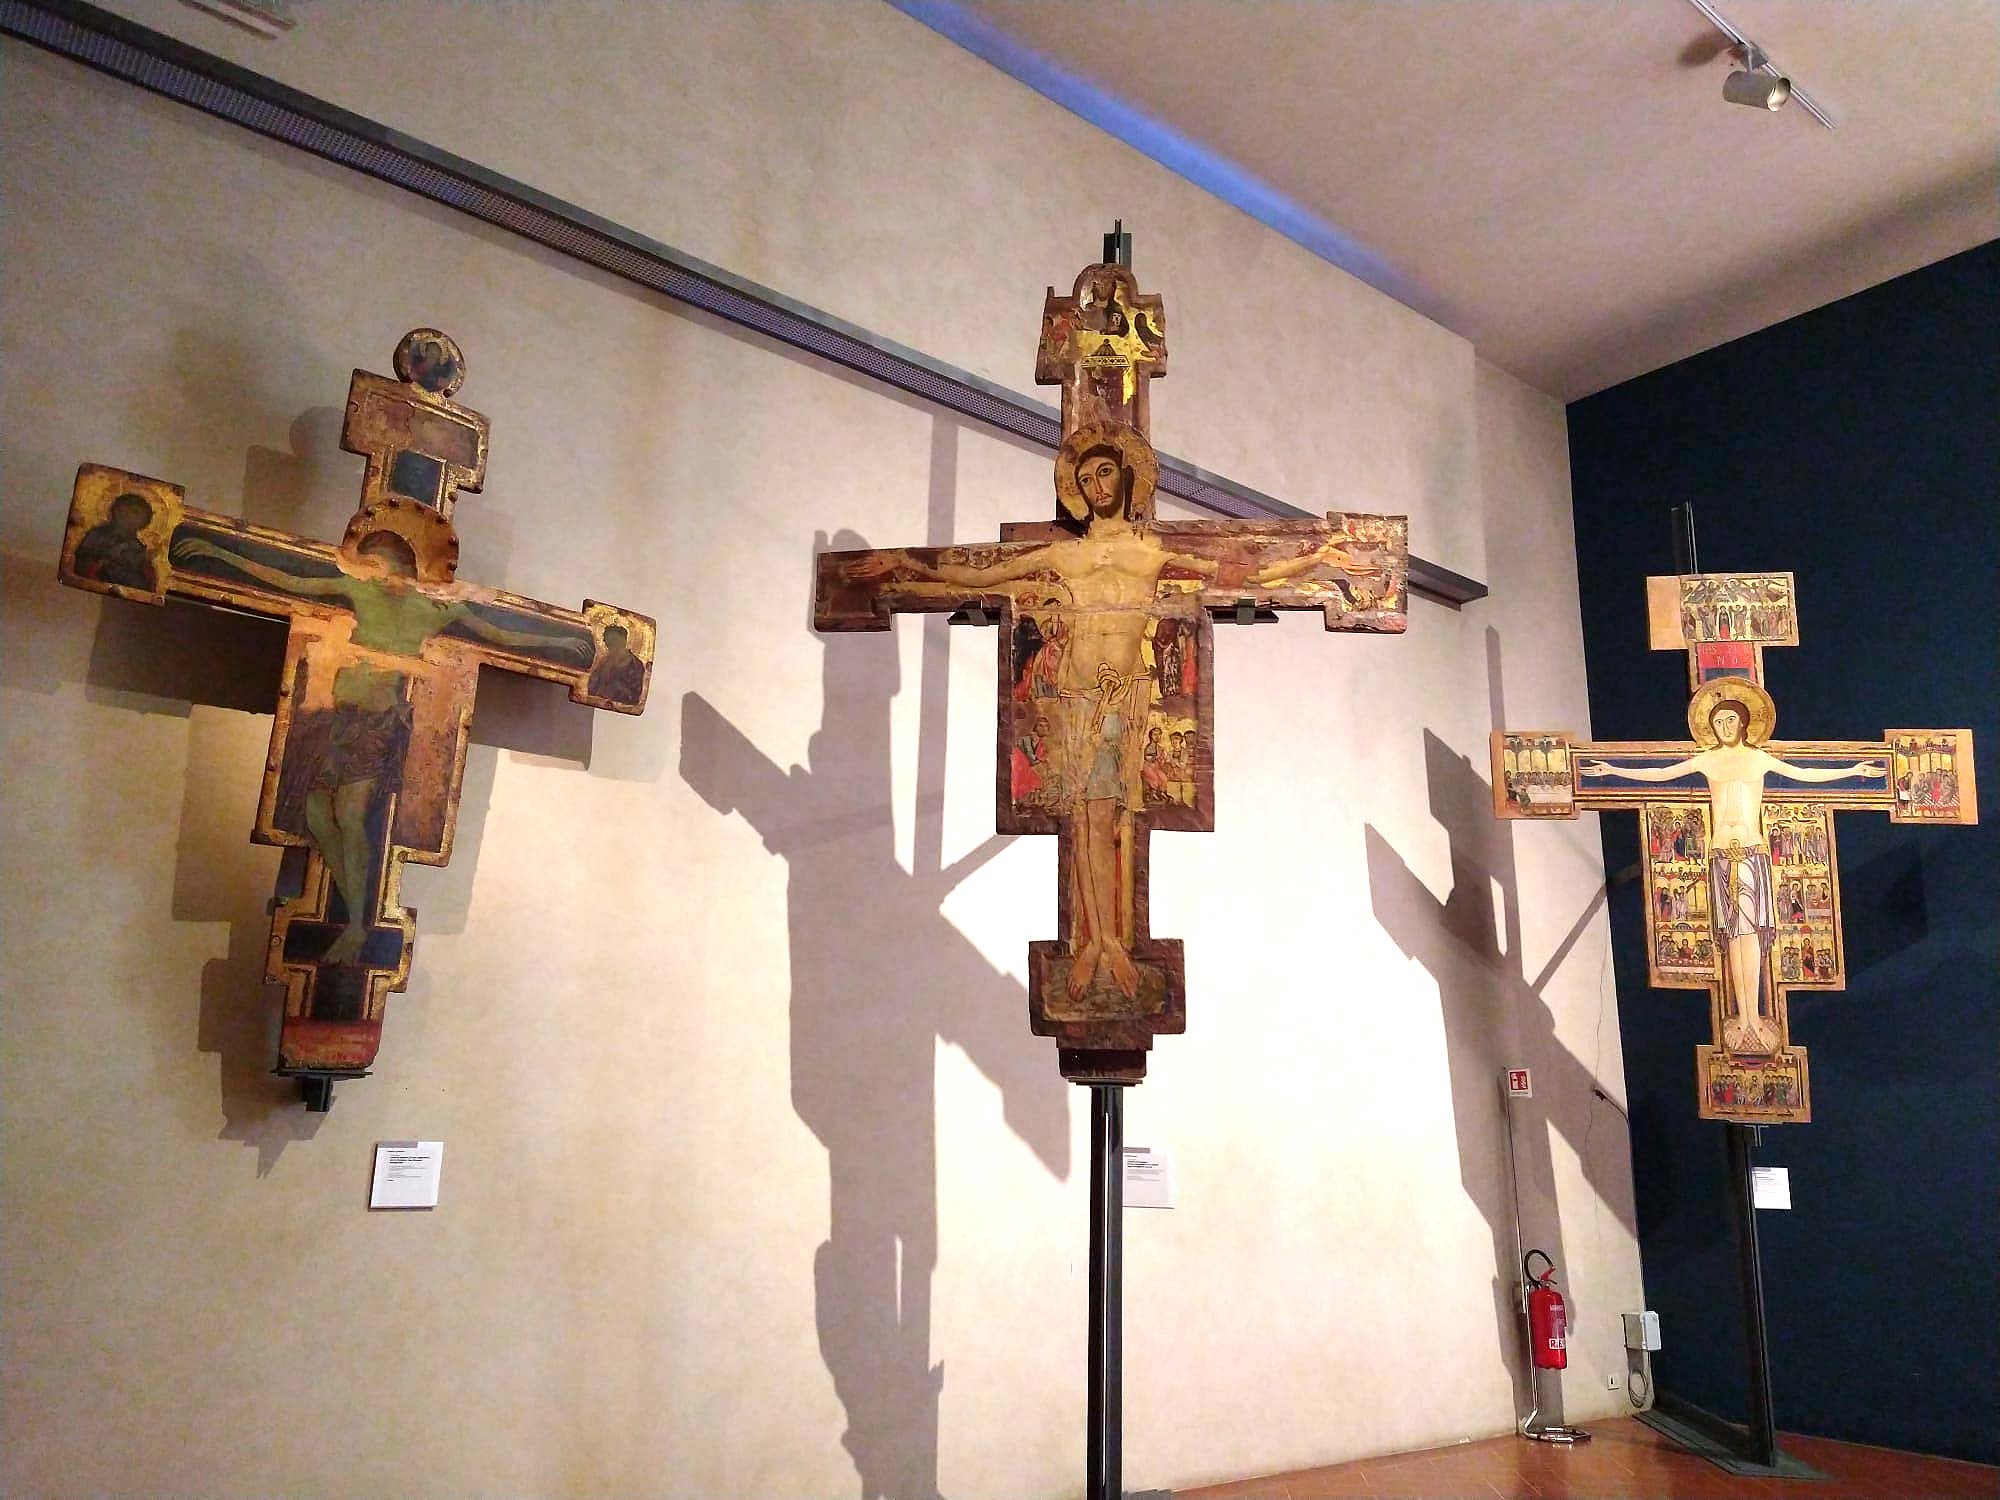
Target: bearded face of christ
<point>1727,722</point>
<point>1101,479</point>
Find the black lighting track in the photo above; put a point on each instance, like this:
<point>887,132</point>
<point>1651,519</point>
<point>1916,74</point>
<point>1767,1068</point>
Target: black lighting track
<point>158,63</point>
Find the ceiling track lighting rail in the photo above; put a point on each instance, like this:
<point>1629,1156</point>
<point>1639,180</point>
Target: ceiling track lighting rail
<point>1757,81</point>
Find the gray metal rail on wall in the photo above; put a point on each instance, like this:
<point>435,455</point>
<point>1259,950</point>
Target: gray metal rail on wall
<point>123,49</point>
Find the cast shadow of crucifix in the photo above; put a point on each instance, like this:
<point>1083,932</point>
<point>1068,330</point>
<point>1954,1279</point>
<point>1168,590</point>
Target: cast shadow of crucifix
<point>1472,946</point>
<point>880,976</point>
<point>179,657</point>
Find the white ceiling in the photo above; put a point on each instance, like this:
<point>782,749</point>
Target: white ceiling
<point>1560,180</point>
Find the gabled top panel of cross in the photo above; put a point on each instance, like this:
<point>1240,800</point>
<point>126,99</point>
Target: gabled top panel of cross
<point>1103,344</point>
<point>1722,620</point>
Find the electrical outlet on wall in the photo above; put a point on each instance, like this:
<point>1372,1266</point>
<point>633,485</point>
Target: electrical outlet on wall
<point>1612,1382</point>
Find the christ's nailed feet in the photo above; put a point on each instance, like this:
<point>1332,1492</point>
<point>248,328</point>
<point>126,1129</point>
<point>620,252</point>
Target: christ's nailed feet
<point>1082,969</point>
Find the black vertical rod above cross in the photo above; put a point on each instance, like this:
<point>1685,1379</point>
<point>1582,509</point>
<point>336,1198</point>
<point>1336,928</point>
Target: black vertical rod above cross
<point>1740,1141</point>
<point>1118,246</point>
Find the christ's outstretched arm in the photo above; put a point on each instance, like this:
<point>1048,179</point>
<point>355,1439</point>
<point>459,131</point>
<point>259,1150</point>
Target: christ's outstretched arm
<point>1673,772</point>
<point>1824,773</point>
<point>1207,567</point>
<point>194,547</point>
<point>882,564</point>
<point>1333,553</point>
<point>528,640</point>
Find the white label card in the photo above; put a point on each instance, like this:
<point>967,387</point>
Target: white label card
<point>1771,1187</point>
<point>1149,1177</point>
<point>406,1174</point>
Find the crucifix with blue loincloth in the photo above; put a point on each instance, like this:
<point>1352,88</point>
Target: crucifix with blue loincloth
<point>381,669</point>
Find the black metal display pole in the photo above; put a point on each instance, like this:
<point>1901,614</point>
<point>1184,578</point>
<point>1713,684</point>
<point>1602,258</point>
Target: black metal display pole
<point>1740,1140</point>
<point>1104,1444</point>
<point>1750,1270</point>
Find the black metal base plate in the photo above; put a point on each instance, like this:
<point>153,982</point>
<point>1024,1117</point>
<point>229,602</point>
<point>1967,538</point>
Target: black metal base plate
<point>1721,1443</point>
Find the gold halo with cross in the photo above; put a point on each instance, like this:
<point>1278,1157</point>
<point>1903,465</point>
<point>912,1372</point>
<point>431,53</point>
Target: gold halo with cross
<point>1136,457</point>
<point>1761,714</point>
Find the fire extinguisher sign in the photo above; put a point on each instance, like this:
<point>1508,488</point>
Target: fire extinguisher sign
<point>1519,1086</point>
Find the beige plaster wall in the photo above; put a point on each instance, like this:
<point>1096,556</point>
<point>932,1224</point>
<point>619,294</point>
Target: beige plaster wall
<point>755,1182</point>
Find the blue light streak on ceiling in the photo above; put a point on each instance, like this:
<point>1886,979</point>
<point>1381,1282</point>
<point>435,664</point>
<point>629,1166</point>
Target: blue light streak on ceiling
<point>1199,164</point>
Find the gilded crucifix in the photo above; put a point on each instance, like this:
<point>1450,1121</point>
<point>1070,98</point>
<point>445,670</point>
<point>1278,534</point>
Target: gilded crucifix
<point>1742,881</point>
<point>1106,715</point>
<point>381,667</point>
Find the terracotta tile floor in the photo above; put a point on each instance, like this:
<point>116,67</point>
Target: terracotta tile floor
<point>1627,1461</point>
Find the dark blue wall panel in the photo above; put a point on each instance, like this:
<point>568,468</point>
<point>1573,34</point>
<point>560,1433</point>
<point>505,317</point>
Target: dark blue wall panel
<point>1859,447</point>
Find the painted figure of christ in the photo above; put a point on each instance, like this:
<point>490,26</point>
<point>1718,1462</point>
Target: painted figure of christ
<point>1742,902</point>
<point>1104,586</point>
<point>368,736</point>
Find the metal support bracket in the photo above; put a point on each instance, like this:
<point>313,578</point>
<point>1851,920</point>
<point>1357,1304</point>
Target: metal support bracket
<point>1244,612</point>
<point>317,1088</point>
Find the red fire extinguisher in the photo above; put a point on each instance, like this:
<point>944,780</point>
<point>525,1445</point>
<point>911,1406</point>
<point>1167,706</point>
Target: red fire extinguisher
<point>1548,1320</point>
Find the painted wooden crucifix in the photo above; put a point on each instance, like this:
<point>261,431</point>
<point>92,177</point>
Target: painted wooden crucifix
<point>381,667</point>
<point>1742,881</point>
<point>1106,712</point>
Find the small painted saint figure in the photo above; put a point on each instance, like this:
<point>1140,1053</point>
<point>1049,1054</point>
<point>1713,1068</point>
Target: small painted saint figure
<point>112,552</point>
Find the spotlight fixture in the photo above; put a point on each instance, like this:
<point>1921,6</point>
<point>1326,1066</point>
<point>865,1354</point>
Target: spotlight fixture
<point>1756,83</point>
